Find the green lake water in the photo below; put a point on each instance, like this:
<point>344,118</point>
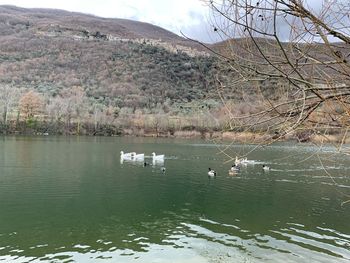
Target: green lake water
<point>72,200</point>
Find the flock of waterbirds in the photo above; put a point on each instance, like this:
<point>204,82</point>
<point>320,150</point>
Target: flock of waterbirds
<point>140,157</point>
<point>159,160</point>
<point>236,167</point>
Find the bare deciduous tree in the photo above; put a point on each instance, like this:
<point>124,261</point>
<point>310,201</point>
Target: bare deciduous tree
<point>74,104</point>
<point>8,100</point>
<point>294,58</point>
<point>55,108</point>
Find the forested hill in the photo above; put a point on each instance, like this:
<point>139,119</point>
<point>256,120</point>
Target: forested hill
<point>72,73</point>
<point>117,62</point>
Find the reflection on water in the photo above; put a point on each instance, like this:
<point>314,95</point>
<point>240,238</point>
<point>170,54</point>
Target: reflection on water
<point>74,200</point>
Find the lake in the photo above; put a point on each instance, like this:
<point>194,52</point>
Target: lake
<point>71,199</point>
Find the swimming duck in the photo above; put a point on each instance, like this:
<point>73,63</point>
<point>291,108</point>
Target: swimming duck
<point>211,172</point>
<point>235,168</point>
<point>163,169</point>
<point>230,172</point>
<point>266,168</point>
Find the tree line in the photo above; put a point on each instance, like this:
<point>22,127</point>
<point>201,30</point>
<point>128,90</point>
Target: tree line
<point>72,112</point>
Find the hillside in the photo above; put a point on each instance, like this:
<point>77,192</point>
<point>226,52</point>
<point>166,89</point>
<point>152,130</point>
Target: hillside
<point>115,60</point>
<point>69,73</point>
<point>72,73</point>
<point>14,19</point>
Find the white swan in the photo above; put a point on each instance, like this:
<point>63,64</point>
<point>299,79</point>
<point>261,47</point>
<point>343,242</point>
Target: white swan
<point>266,168</point>
<point>157,157</point>
<point>139,156</point>
<point>126,155</point>
<point>244,160</point>
<point>211,172</point>
<point>158,162</point>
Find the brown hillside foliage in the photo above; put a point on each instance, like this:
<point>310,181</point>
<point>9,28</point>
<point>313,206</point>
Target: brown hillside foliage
<point>30,104</point>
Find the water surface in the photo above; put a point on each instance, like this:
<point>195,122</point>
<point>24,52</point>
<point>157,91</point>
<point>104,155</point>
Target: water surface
<point>72,200</point>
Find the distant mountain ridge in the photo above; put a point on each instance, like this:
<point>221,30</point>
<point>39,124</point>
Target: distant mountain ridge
<point>121,28</point>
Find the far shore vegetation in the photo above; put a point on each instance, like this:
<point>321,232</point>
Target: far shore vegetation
<point>71,112</point>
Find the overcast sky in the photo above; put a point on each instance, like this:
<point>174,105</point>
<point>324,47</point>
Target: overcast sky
<point>188,16</point>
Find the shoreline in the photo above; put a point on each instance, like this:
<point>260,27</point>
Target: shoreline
<point>241,137</point>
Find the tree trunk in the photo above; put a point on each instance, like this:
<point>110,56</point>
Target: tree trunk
<point>5,115</point>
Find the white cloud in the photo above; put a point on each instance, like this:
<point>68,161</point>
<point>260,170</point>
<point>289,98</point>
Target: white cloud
<point>188,16</point>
